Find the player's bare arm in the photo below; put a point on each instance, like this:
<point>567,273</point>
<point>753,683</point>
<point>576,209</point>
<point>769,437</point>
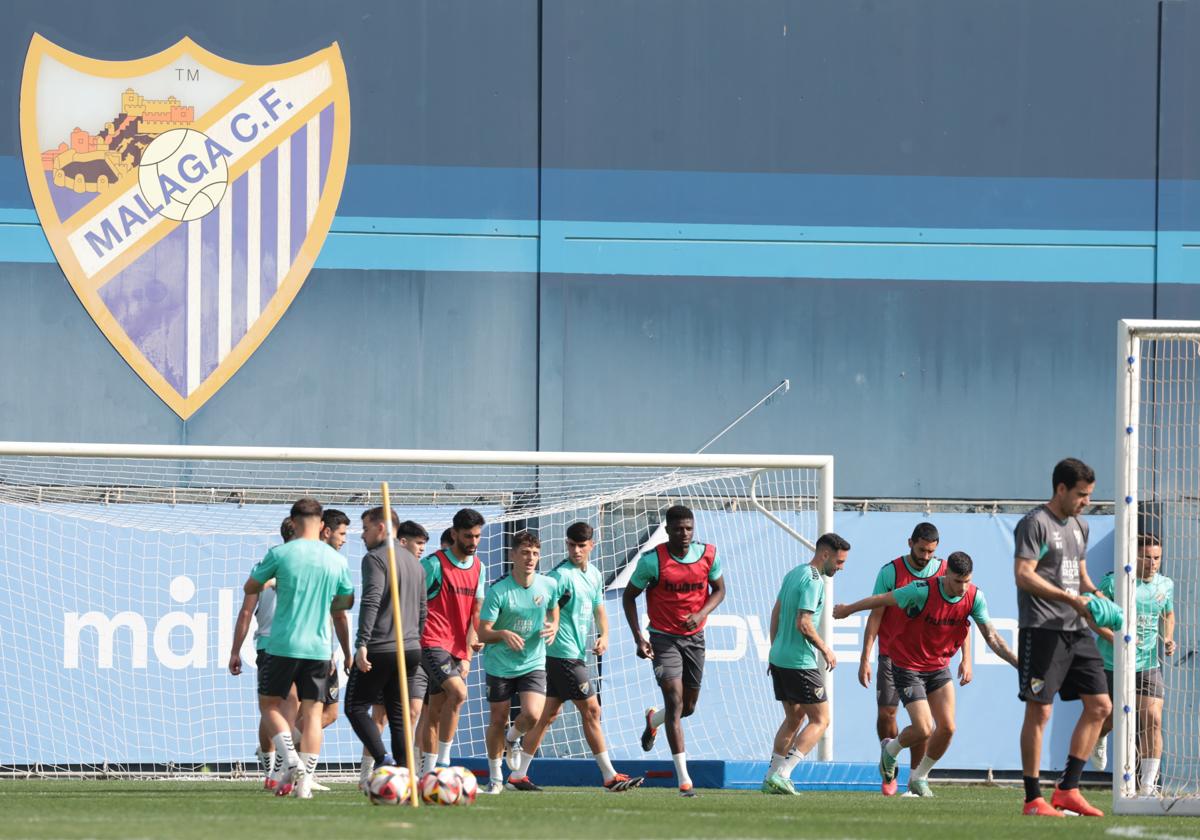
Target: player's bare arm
<point>996,642</point>
<point>1028,580</point>
<point>491,636</point>
<point>804,623</point>
<point>774,620</point>
<point>870,634</point>
<point>871,602</point>
<point>550,627</point>
<point>966,670</point>
<point>629,605</point>
<point>1167,623</point>
<point>716,594</point>
<point>601,618</point>
<point>240,629</point>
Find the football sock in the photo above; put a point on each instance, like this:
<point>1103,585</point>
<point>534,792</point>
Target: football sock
<point>522,769</point>
<point>266,762</point>
<point>606,768</point>
<point>681,772</point>
<point>658,718</point>
<point>496,770</point>
<point>368,767</point>
<point>790,762</point>
<point>1150,771</point>
<point>1033,788</point>
<point>776,764</point>
<point>922,771</point>
<point>443,754</point>
<point>428,762</point>
<point>309,762</point>
<point>893,747</point>
<point>1071,774</point>
<point>285,748</point>
<point>512,734</point>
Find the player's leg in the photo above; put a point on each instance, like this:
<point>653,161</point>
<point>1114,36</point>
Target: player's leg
<point>533,738</point>
<point>531,689</point>
<point>364,687</point>
<point>1084,680</point>
<point>312,687</point>
<point>445,673</point>
<point>268,758</point>
<point>785,682</point>
<point>1149,706</point>
<point>593,733</point>
<point>279,684</point>
<point>499,696</point>
<point>1099,756</point>
<point>941,700</point>
<point>691,650</point>
<point>394,699</point>
<point>887,703</point>
<point>1041,654</point>
<point>329,711</point>
<point>427,734</point>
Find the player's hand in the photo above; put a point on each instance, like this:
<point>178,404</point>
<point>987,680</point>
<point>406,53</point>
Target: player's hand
<point>476,646</point>
<point>1169,647</point>
<point>830,659</point>
<point>644,651</point>
<point>513,641</point>
<point>601,645</point>
<point>864,673</point>
<point>549,631</point>
<point>1079,603</point>
<point>965,674</point>
<point>692,621</point>
<point>465,668</point>
<point>235,663</point>
<point>841,611</point>
<point>361,662</point>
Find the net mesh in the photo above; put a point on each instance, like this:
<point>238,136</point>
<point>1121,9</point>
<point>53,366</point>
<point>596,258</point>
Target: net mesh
<point>1168,493</point>
<point>121,580</point>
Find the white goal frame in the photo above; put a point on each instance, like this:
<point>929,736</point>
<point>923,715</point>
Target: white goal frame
<point>1130,334</point>
<point>823,464</point>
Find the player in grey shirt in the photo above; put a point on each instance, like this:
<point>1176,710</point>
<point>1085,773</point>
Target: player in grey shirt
<point>1057,653</point>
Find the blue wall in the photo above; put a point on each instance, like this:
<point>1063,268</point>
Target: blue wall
<point>927,215</point>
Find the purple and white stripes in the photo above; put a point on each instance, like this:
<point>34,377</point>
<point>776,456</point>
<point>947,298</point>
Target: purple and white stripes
<point>189,300</point>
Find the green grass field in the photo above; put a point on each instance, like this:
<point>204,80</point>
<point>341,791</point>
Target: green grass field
<point>231,811</point>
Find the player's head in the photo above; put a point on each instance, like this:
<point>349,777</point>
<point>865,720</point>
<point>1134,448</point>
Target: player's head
<point>413,536</point>
<point>447,538</point>
<point>1073,483</point>
<point>923,543</point>
<point>306,516</point>
<point>958,573</point>
<point>287,529</point>
<point>524,552</point>
<point>334,524</point>
<point>681,525</point>
<point>375,527</point>
<point>832,550</point>
<point>579,543</point>
<point>1149,556</point>
<point>467,530</point>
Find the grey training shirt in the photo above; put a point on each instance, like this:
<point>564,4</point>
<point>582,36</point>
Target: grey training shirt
<point>1059,546</point>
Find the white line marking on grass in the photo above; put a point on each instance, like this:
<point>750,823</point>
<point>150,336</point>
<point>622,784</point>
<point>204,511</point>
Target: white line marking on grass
<point>1137,831</point>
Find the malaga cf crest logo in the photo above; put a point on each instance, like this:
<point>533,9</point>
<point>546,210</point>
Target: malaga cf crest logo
<point>185,196</point>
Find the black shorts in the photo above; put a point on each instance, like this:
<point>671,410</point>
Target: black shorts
<point>439,666</point>
<point>918,685</point>
<point>310,676</point>
<point>1062,662</point>
<point>1146,683</point>
<point>261,661</point>
<point>417,686</point>
<point>500,689</point>
<point>885,686</point>
<point>678,657</point>
<point>798,685</point>
<point>332,688</point>
<point>568,679</point>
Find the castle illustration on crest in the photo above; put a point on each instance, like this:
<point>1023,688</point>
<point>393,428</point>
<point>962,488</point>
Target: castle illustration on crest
<point>93,163</point>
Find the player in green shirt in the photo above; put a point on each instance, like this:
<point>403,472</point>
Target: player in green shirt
<point>1155,617</point>
<point>580,599</point>
<point>311,581</point>
<point>519,617</point>
<point>798,676</point>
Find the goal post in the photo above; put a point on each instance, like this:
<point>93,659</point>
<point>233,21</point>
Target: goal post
<point>1157,494</point>
<point>123,565</point>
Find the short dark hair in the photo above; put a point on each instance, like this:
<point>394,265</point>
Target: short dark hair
<point>375,514</point>
<point>466,519</point>
<point>410,530</point>
<point>333,519</point>
<point>960,563</point>
<point>926,532</point>
<point>1071,471</point>
<point>579,532</point>
<point>675,513</point>
<point>1147,540</point>
<point>307,506</point>
<point>287,529</point>
<point>447,537</point>
<point>524,538</point>
<point>832,541</point>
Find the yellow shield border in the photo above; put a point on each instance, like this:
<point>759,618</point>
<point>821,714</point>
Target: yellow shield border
<point>251,77</point>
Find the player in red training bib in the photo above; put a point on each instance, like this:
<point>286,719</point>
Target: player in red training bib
<point>938,618</point>
<point>683,584</point>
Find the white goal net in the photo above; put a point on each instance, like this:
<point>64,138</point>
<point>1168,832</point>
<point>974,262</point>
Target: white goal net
<point>123,565</point>
<point>1157,504</point>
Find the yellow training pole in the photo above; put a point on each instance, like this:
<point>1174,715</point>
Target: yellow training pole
<point>394,586</point>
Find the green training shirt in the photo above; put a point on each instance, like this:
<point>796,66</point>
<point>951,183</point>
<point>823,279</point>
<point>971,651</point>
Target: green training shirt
<point>1155,598</point>
<point>579,594</point>
<point>803,589</point>
<point>308,574</point>
<point>522,610</point>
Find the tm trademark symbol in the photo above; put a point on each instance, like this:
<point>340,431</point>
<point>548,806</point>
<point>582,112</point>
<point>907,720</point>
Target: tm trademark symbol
<point>188,74</point>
